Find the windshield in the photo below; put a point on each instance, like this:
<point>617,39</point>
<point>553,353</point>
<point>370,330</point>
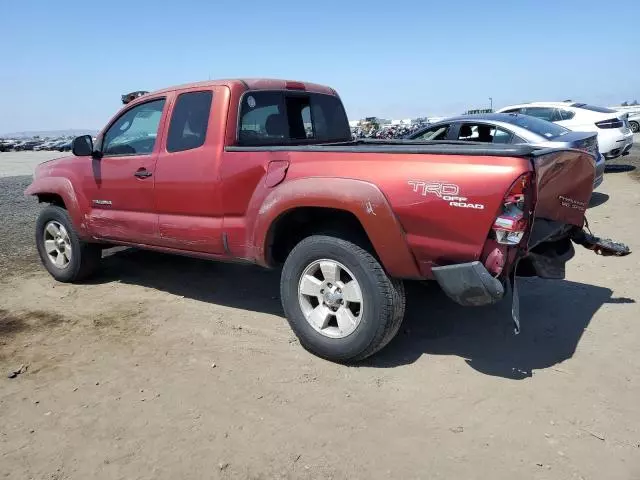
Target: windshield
<point>536,125</point>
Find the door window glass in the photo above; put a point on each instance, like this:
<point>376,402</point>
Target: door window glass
<point>135,132</point>
<point>501,136</point>
<point>566,114</point>
<point>189,121</point>
<point>438,132</point>
<point>480,132</point>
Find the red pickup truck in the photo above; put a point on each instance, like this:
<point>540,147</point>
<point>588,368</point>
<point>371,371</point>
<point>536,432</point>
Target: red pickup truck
<point>266,172</point>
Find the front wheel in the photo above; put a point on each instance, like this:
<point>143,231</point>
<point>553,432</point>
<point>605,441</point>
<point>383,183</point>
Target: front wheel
<point>635,126</point>
<point>338,299</point>
<point>63,254</point>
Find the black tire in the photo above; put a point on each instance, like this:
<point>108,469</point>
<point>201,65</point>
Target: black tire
<point>85,258</point>
<point>383,297</point>
<point>635,126</point>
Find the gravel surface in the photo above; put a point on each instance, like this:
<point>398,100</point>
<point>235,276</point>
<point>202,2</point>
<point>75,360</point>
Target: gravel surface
<point>18,214</point>
<point>14,164</point>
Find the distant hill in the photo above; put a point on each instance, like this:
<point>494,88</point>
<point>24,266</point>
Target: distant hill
<point>73,132</point>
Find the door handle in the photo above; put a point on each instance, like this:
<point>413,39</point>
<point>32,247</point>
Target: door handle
<point>142,173</point>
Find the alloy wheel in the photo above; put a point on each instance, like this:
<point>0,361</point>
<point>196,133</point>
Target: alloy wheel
<point>57,244</point>
<point>330,298</point>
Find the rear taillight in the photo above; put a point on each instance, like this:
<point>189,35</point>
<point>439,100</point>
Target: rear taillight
<point>511,224</point>
<point>610,123</point>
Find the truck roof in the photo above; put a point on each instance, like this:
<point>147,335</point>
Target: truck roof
<point>254,84</point>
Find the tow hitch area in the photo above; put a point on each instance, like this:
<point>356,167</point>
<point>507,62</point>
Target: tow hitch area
<point>601,246</point>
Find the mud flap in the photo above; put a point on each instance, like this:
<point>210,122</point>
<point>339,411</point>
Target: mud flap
<point>601,246</point>
<point>469,284</point>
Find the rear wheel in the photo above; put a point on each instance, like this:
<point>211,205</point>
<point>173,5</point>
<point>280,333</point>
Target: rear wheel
<point>338,299</point>
<point>63,254</point>
<point>635,126</point>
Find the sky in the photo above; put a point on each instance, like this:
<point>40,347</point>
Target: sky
<point>65,64</point>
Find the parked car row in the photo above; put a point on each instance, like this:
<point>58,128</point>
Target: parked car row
<point>611,130</point>
<point>615,135</point>
<point>14,145</point>
<point>603,132</point>
<point>511,128</point>
<point>386,131</point>
<point>633,110</point>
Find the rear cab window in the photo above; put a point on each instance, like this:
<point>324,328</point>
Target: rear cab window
<point>291,118</point>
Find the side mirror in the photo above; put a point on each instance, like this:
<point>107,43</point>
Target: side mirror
<point>82,146</point>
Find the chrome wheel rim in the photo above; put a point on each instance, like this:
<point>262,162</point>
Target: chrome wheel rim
<point>330,298</point>
<point>635,126</point>
<point>57,244</point>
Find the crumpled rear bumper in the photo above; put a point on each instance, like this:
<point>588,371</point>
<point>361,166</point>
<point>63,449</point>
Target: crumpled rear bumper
<point>469,284</point>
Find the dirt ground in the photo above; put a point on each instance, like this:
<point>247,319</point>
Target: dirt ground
<point>168,367</point>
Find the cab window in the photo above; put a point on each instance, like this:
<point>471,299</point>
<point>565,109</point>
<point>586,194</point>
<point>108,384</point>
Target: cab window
<point>135,131</point>
<point>189,121</point>
<point>290,118</point>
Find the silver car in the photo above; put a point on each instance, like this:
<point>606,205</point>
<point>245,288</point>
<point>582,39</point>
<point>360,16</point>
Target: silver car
<point>511,128</point>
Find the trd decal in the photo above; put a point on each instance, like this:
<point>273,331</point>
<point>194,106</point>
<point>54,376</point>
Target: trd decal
<point>449,192</point>
<point>437,188</point>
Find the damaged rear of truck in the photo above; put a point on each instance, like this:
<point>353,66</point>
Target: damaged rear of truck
<point>471,217</point>
<point>540,218</point>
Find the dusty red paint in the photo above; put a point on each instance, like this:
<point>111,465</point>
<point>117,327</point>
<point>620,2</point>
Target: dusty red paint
<point>222,204</point>
<point>63,187</point>
<point>379,221</point>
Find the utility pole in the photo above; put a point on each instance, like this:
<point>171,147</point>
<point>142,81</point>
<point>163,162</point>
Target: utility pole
<point>491,103</point>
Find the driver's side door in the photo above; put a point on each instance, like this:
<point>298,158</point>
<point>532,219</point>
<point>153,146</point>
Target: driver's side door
<point>119,186</point>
